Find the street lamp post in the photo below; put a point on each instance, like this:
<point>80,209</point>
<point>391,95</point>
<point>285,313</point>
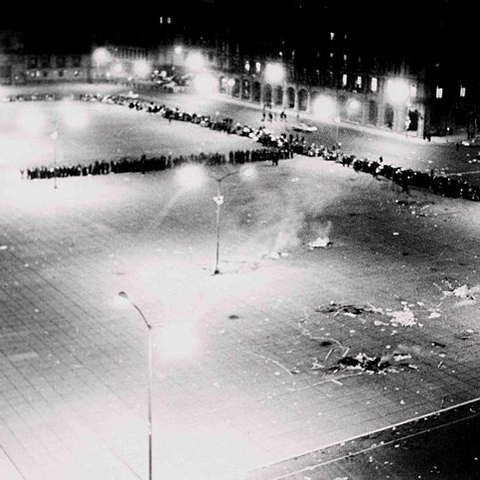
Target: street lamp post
<point>124,296</point>
<point>219,199</point>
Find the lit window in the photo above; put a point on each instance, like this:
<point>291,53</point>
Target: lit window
<point>345,58</point>
<point>358,82</point>
<point>258,67</point>
<point>463,91</point>
<point>331,54</point>
<point>373,84</point>
<point>413,91</point>
<point>344,80</point>
<point>247,66</point>
<point>439,92</point>
<point>161,19</point>
<point>169,20</point>
<point>332,35</point>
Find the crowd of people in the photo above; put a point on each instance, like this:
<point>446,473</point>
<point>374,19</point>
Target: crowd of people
<point>156,163</point>
<point>275,147</point>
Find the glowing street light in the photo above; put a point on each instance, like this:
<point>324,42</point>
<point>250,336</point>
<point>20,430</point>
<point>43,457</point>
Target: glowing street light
<point>124,296</point>
<point>324,107</point>
<point>141,68</point>
<point>204,83</point>
<point>195,61</point>
<point>191,176</point>
<point>101,56</point>
<point>274,73</point>
<point>398,90</point>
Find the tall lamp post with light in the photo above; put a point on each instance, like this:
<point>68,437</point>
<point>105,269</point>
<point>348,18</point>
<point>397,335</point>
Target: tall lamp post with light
<point>191,176</point>
<point>125,297</point>
<point>219,199</point>
<point>398,92</point>
<point>274,75</point>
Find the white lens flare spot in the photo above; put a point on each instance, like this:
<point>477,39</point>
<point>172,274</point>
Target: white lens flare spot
<point>324,108</point>
<point>204,83</point>
<point>73,116</point>
<point>191,177</point>
<point>141,68</point>
<point>195,61</point>
<point>274,72</point>
<point>398,90</point>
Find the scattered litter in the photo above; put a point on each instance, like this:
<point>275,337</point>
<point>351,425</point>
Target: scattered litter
<point>399,357</point>
<point>316,365</point>
<point>320,242</point>
<point>295,179</point>
<point>395,233</point>
<point>434,315</point>
<point>345,308</point>
<point>462,291</point>
<point>404,317</point>
<point>362,362</point>
<point>3,247</point>
<point>274,255</point>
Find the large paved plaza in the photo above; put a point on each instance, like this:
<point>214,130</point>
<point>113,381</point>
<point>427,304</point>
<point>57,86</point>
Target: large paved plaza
<point>247,364</point>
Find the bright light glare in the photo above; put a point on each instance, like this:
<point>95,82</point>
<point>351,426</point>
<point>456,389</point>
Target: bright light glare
<point>204,83</point>
<point>191,176</point>
<point>32,120</point>
<point>195,61</point>
<point>178,50</point>
<point>353,105</point>
<point>73,116</point>
<point>249,173</point>
<point>101,56</point>
<point>324,108</point>
<point>117,68</point>
<point>231,82</point>
<point>398,90</point>
<point>274,72</point>
<point>177,340</point>
<point>141,68</point>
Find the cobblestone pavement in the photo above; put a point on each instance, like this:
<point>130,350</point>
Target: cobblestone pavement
<point>263,383</point>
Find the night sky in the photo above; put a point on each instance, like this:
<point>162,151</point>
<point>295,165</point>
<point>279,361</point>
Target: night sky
<point>448,26</point>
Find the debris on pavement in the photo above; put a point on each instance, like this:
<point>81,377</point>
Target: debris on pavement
<point>461,291</point>
<point>320,242</point>
<point>404,318</point>
<point>389,363</point>
<point>345,308</point>
<point>276,255</point>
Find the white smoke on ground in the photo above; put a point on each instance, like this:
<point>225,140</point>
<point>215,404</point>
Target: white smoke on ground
<point>287,233</point>
<point>300,228</point>
<point>323,238</point>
